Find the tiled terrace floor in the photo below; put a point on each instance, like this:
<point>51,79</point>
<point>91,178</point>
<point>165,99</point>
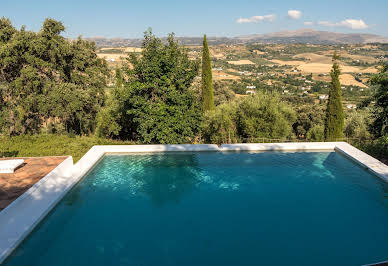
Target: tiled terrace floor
<point>35,168</point>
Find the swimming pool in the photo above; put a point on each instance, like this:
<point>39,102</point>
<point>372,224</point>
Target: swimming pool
<point>216,208</point>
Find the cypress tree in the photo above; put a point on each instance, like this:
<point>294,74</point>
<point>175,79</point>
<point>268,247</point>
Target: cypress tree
<point>334,122</point>
<point>207,79</point>
<point>119,78</point>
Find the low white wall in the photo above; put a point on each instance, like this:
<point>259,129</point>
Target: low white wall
<point>294,146</point>
<point>20,218</point>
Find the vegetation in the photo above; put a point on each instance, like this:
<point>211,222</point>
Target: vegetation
<point>52,145</point>
<point>249,119</point>
<point>207,79</point>
<point>48,81</point>
<point>54,99</point>
<point>334,122</point>
<point>156,104</point>
<point>380,124</point>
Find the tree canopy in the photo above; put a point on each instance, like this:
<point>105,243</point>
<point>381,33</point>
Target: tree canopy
<point>48,81</point>
<point>156,103</point>
<point>249,119</point>
<point>380,124</point>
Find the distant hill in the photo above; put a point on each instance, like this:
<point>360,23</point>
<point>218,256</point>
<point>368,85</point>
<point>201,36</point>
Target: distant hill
<point>314,37</point>
<point>283,37</point>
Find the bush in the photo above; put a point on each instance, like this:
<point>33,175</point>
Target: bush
<point>249,119</point>
<point>264,116</point>
<point>219,125</point>
<point>316,133</point>
<point>357,124</point>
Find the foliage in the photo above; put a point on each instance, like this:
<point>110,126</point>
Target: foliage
<point>220,124</point>
<point>248,119</point>
<point>51,145</point>
<point>380,124</point>
<point>316,133</point>
<point>50,81</point>
<point>222,93</point>
<point>377,148</point>
<point>156,104</point>
<point>334,122</point>
<point>308,116</point>
<point>264,116</point>
<point>207,79</point>
<point>357,124</point>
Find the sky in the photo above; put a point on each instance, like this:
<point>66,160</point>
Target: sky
<point>129,19</point>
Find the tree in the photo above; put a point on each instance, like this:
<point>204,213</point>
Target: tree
<point>264,116</point>
<point>357,124</point>
<point>334,121</point>
<point>220,124</point>
<point>316,133</point>
<point>156,103</point>
<point>380,124</point>
<point>207,79</point>
<point>49,81</point>
<point>249,119</point>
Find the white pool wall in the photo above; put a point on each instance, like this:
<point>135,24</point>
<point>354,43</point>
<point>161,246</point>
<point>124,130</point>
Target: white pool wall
<point>21,217</point>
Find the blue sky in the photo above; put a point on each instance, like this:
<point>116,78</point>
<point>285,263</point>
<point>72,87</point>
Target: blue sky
<point>124,18</point>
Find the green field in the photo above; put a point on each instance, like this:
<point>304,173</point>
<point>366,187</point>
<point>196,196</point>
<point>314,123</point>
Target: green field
<point>51,145</point>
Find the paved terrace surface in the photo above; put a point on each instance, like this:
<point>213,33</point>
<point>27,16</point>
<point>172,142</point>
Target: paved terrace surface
<point>24,177</point>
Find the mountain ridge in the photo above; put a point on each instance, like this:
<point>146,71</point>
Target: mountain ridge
<point>282,37</point>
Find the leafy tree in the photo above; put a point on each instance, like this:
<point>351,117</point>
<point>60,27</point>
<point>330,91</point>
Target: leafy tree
<point>207,79</point>
<point>380,124</point>
<point>249,119</point>
<point>334,122</point>
<point>357,124</point>
<point>316,133</point>
<point>220,124</point>
<point>50,81</point>
<point>222,93</point>
<point>308,115</point>
<point>264,116</point>
<point>156,104</point>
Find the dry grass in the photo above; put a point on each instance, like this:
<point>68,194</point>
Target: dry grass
<point>112,56</point>
<point>220,75</point>
<point>258,52</point>
<point>289,63</point>
<point>241,62</point>
<point>132,50</point>
<point>348,80</point>
<point>325,68</point>
<point>314,58</point>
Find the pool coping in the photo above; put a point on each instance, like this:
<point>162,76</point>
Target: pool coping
<point>21,216</point>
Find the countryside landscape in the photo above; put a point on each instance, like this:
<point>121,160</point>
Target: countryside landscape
<point>293,66</point>
<point>177,133</point>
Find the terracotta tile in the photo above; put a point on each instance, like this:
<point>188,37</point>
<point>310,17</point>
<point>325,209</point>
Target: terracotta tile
<point>34,169</point>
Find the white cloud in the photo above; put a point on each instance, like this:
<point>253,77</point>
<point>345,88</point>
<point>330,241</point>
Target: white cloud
<point>294,14</point>
<point>353,24</point>
<point>308,23</point>
<point>256,19</point>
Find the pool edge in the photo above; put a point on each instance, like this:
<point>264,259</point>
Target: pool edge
<point>66,175</point>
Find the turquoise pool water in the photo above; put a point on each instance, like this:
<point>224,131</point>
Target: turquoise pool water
<point>272,208</point>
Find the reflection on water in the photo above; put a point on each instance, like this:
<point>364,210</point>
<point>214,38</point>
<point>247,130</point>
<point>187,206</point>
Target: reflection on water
<point>215,209</point>
<point>166,179</point>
